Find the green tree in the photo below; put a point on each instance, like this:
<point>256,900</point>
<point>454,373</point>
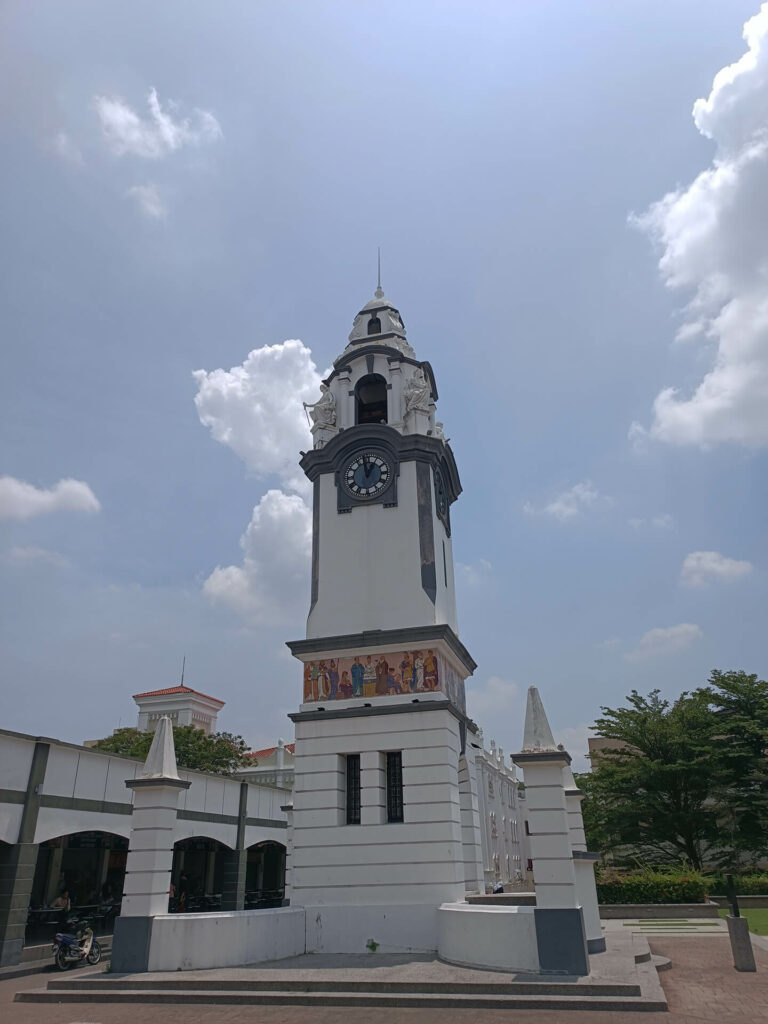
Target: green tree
<point>219,752</point>
<point>739,763</point>
<point>653,793</point>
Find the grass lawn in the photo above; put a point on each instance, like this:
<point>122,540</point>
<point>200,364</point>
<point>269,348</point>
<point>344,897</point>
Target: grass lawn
<point>757,917</point>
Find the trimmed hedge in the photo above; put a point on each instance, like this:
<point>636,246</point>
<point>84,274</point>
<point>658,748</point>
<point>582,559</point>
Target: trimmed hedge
<point>755,884</point>
<point>650,886</point>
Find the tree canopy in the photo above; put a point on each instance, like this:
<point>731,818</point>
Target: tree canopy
<point>687,779</point>
<point>219,752</point>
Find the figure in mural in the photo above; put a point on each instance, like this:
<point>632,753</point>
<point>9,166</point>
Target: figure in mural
<point>333,679</point>
<point>382,672</point>
<point>369,676</point>
<point>430,671</point>
<point>407,671</point>
<point>345,686</point>
<point>417,392</point>
<point>323,681</point>
<point>418,671</point>
<point>308,681</point>
<point>357,672</point>
<point>323,412</point>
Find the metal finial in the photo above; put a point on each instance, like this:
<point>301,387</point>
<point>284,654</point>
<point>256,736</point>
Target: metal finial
<point>379,293</point>
<point>183,664</point>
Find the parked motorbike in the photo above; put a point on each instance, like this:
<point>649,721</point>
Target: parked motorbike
<point>69,949</point>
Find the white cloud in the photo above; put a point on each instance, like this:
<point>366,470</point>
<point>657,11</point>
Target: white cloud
<point>669,640</point>
<point>703,567</point>
<point>126,132</point>
<point>256,408</point>
<point>498,697</point>
<point>272,584</point>
<point>474,574</point>
<point>569,504</point>
<point>714,242</point>
<point>20,500</point>
<point>661,522</point>
<point>149,200</point>
<point>574,739</point>
<point>31,554</point>
<point>67,150</point>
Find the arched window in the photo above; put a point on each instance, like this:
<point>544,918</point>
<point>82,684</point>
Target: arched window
<point>374,325</point>
<point>371,399</point>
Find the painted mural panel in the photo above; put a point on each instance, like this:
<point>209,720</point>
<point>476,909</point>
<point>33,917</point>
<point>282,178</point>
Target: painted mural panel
<point>382,675</point>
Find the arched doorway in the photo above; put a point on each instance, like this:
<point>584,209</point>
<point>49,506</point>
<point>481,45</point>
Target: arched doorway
<point>197,874</point>
<point>371,399</point>
<point>87,869</point>
<point>265,875</point>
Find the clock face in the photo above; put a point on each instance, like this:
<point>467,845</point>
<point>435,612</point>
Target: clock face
<point>367,474</point>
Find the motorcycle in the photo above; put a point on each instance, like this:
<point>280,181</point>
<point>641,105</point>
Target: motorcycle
<point>69,950</point>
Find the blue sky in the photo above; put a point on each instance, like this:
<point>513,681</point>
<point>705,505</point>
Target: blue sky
<point>186,183</point>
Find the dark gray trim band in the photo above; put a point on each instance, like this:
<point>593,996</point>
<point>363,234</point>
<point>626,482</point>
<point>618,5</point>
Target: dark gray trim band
<point>385,709</point>
<point>542,757</point>
<point>315,544</point>
<point>157,783</point>
<point>426,531</point>
<point>409,636</point>
<point>585,855</point>
<point>77,803</point>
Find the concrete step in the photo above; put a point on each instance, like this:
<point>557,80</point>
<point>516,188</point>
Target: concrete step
<point>449,1000</point>
<point>546,986</point>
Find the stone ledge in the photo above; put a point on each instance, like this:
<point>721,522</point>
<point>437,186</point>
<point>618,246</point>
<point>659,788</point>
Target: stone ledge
<point>632,911</point>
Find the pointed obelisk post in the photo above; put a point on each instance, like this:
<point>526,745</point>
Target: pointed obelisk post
<point>150,851</point>
<point>583,864</point>
<point>560,934</point>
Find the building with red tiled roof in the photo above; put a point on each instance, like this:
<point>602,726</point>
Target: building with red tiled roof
<point>182,704</point>
<point>272,766</point>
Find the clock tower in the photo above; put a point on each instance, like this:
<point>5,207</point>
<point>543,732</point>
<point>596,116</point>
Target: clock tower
<point>385,815</point>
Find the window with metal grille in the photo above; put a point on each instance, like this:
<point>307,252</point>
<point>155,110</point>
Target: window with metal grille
<point>353,789</point>
<point>394,786</point>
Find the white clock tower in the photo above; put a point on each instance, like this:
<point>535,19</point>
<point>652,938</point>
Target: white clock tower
<point>385,815</point>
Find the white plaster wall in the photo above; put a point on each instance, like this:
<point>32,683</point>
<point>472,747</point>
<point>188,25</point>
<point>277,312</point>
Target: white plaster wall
<point>15,762</point>
<point>10,822</point>
<point>396,927</point>
<point>54,821</point>
<point>370,564</point>
<point>500,938</point>
<point>199,941</point>
<point>377,862</point>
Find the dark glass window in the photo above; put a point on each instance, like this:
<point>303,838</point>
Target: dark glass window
<point>394,786</point>
<point>371,399</point>
<point>374,325</point>
<point>353,789</point>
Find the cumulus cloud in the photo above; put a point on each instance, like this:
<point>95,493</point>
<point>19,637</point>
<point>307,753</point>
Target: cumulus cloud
<point>128,133</point>
<point>30,555</point>
<point>703,567</point>
<point>669,640</point>
<point>273,581</point>
<point>569,504</point>
<point>660,522</point>
<point>20,500</point>
<point>474,574</point>
<point>714,243</point>
<point>149,201</point>
<point>256,409</point>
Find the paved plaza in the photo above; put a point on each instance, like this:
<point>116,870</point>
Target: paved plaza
<point>701,986</point>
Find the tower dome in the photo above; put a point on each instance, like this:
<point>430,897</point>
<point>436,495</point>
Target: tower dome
<point>378,322</point>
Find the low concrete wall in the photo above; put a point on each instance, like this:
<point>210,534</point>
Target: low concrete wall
<point>745,902</point>
<point>610,911</point>
<point>196,941</point>
<point>349,929</point>
<point>501,938</point>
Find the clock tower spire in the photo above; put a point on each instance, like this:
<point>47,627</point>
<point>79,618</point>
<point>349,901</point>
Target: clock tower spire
<point>382,751</point>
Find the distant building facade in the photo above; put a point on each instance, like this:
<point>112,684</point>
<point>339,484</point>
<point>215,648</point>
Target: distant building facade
<point>182,704</point>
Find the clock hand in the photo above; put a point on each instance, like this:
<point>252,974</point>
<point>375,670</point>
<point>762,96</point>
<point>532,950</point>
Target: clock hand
<point>366,467</point>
